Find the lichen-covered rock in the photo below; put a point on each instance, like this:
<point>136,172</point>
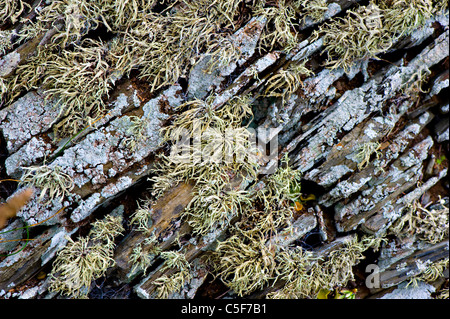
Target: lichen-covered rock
<point>29,116</point>
<point>245,40</point>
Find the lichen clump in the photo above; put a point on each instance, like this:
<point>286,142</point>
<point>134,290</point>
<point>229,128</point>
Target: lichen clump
<point>52,181</point>
<point>220,150</point>
<point>367,31</point>
<point>86,259</point>
<point>429,223</point>
<point>168,284</point>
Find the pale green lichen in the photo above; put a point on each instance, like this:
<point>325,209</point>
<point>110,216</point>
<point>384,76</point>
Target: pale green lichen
<point>364,153</point>
<point>5,43</point>
<point>359,35</point>
<point>287,81</point>
<point>315,9</point>
<point>220,149</point>
<point>244,264</point>
<point>51,180</point>
<point>370,30</point>
<point>142,216</point>
<point>168,284</point>
<point>136,132</point>
<point>280,28</point>
<point>141,258</point>
<point>403,16</point>
<point>429,225</point>
<point>86,259</point>
<point>305,275</point>
<point>431,273</point>
<point>11,10</point>
<point>414,85</point>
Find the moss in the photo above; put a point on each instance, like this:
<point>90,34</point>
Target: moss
<point>84,260</point>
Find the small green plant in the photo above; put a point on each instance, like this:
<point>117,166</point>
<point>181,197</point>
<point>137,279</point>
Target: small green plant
<point>336,294</point>
<point>440,160</point>
<point>51,180</point>
<point>86,259</point>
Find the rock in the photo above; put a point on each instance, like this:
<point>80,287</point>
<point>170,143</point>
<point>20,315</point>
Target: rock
<point>422,291</point>
<point>245,40</point>
<point>368,141</point>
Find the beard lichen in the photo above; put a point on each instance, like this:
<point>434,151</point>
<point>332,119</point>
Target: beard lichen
<point>168,284</point>
<point>86,259</point>
<point>430,273</point>
<point>370,30</point>
<point>281,25</point>
<point>359,35</point>
<point>52,181</point>
<point>429,223</point>
<point>306,275</point>
<point>287,81</point>
<point>244,264</point>
<point>364,153</point>
<point>11,10</point>
<point>210,149</point>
